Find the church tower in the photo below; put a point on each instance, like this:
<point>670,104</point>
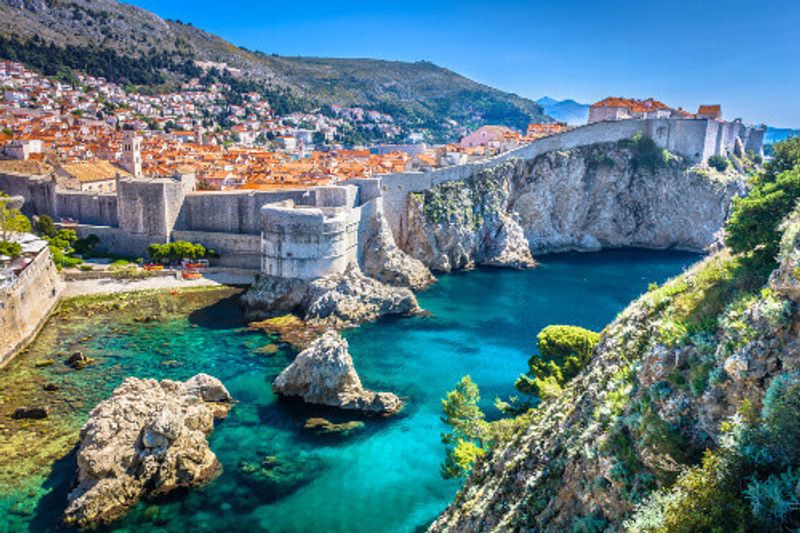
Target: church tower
<point>132,154</point>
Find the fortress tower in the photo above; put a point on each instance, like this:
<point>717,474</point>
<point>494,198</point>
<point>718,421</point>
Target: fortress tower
<point>132,154</point>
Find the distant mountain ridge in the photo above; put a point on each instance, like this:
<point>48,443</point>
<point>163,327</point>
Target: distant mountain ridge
<point>568,111</point>
<point>157,51</point>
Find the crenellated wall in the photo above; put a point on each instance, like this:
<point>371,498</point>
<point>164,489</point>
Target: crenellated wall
<point>144,211</point>
<point>308,242</point>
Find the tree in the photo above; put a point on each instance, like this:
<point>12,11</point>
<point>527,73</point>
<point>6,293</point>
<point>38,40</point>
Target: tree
<point>470,430</point>
<point>86,245</point>
<point>45,226</point>
<point>753,226</point>
<point>563,352</point>
<point>11,219</point>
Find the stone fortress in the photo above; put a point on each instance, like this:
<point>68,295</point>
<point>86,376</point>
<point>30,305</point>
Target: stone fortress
<point>310,233</point>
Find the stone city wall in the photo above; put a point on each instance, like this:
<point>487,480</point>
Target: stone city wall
<point>26,304</point>
<point>236,250</point>
<point>305,242</point>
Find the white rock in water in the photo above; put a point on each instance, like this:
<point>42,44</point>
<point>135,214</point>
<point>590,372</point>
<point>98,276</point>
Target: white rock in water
<point>148,438</point>
<point>324,374</point>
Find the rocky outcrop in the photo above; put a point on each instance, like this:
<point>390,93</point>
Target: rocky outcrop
<point>381,259</point>
<point>587,198</point>
<point>337,300</point>
<point>653,398</point>
<point>324,374</point>
<point>460,224</point>
<point>147,439</point>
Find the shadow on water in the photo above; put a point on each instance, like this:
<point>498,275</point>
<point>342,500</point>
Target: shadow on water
<point>223,314</point>
<point>50,509</point>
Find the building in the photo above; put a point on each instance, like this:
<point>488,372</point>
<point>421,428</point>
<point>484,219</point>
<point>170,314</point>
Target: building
<point>616,108</point>
<point>96,176</point>
<point>487,136</point>
<point>132,154</point>
<point>710,111</point>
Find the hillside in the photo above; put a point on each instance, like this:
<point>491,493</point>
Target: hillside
<point>684,416</point>
<point>130,45</point>
<point>567,111</point>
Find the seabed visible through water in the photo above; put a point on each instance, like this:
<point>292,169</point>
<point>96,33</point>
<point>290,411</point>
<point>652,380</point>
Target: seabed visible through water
<point>278,476</point>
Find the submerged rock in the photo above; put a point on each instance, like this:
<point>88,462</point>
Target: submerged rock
<point>32,413</point>
<point>148,439</point>
<point>324,374</point>
<point>337,300</point>
<point>326,427</point>
<point>79,360</point>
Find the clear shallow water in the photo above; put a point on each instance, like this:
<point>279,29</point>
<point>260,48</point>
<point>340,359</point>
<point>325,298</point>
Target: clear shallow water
<point>384,477</point>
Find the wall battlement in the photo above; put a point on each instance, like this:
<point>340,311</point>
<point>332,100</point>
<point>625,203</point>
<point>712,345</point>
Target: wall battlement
<point>308,232</point>
<point>308,242</point>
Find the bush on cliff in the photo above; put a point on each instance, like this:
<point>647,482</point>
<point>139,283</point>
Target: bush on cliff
<point>754,224</point>
<point>749,483</point>
<point>718,162</point>
<point>11,220</point>
<point>11,249</point>
<point>753,227</point>
<point>563,352</point>
<point>646,153</point>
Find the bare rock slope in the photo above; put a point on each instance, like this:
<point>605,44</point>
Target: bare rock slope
<point>587,198</point>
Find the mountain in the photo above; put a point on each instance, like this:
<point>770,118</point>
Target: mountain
<point>133,46</point>
<point>775,135</point>
<point>568,111</point>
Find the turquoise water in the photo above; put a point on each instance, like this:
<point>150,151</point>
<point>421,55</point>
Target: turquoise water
<point>385,476</point>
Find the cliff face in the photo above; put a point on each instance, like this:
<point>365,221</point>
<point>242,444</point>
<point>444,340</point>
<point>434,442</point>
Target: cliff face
<point>604,195</point>
<point>667,373</point>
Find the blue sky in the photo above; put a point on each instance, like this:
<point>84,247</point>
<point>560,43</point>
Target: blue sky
<point>743,54</point>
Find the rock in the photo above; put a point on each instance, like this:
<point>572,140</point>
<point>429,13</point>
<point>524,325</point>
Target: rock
<point>50,387</point>
<point>382,260</point>
<point>337,300</point>
<point>30,413</point>
<point>325,426</point>
<point>147,439</point>
<point>78,360</point>
<point>269,349</point>
<point>324,374</point>
<point>44,362</point>
<point>579,199</point>
<point>345,300</point>
<point>290,329</point>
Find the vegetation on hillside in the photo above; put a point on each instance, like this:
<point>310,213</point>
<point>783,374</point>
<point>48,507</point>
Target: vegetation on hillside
<point>684,418</point>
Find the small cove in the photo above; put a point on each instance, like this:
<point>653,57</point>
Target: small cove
<point>278,476</point>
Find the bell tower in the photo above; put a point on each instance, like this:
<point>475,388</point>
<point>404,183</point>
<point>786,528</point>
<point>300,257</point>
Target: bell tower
<point>132,154</point>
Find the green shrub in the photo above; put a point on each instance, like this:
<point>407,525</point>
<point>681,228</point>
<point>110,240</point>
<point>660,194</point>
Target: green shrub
<point>11,249</point>
<point>718,162</point>
<point>177,250</point>
<point>773,499</point>
<point>646,153</point>
<point>86,245</point>
<point>563,352</point>
<point>45,226</point>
